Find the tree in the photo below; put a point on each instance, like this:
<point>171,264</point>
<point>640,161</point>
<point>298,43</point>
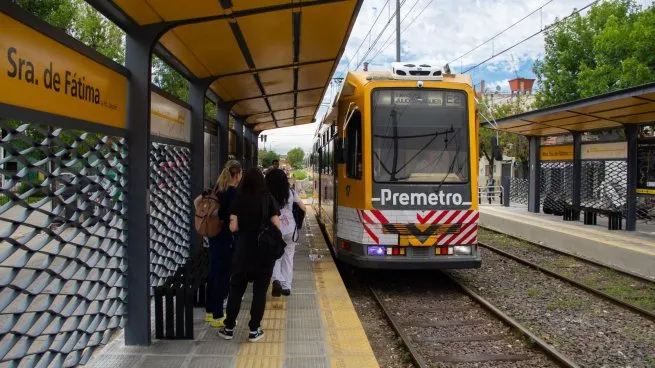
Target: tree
<point>96,31</point>
<point>59,13</point>
<point>511,144</point>
<point>295,157</point>
<point>267,157</point>
<point>609,48</point>
<point>168,79</point>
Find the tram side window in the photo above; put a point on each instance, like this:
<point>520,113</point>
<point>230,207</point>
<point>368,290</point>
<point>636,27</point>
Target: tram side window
<point>354,146</point>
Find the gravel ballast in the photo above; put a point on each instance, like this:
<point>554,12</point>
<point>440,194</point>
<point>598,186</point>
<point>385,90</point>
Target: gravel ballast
<point>591,331</point>
<point>442,322</point>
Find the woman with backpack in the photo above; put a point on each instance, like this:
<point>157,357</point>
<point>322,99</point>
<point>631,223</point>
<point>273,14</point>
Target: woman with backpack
<point>220,246</point>
<point>278,184</point>
<point>252,209</point>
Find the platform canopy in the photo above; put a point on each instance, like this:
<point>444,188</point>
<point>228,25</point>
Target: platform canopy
<point>271,60</point>
<point>612,110</point>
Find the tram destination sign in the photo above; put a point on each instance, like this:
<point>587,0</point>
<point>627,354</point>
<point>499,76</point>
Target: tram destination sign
<point>39,73</point>
<point>646,167</point>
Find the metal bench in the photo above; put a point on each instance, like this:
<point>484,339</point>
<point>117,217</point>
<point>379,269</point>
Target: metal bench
<point>614,218</point>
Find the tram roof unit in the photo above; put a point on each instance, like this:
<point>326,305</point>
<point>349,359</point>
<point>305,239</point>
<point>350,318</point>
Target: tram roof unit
<point>271,60</point>
<point>357,79</point>
<point>634,105</point>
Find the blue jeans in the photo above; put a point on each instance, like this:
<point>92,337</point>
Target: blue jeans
<point>218,285</point>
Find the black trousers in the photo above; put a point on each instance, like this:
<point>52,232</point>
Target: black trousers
<point>238,283</point>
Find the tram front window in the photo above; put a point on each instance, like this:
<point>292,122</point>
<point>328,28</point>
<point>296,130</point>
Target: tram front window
<point>420,136</point>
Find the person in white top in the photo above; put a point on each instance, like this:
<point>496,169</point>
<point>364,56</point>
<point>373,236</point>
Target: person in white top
<point>278,185</point>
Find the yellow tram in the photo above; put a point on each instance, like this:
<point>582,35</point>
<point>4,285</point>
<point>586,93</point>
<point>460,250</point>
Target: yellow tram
<point>395,163</point>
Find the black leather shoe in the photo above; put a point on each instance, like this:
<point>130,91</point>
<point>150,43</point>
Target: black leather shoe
<point>277,289</point>
<point>286,292</point>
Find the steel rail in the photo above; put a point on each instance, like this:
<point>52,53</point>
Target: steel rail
<point>414,355</point>
<point>583,259</point>
<point>548,349</point>
<point>622,303</point>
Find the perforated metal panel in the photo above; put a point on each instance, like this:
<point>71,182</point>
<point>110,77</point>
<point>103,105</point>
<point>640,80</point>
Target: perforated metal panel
<point>556,184</point>
<point>518,191</point>
<point>62,237</point>
<point>170,209</point>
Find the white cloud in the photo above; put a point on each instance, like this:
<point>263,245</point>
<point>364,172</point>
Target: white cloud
<point>444,31</point>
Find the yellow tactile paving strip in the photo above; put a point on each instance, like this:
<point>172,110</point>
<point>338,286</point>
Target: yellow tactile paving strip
<point>621,239</point>
<point>345,340</point>
<point>269,352</point>
<point>347,343</point>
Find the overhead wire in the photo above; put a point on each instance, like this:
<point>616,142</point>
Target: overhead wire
<point>377,39</point>
<point>367,34</point>
<point>577,11</point>
<point>389,40</point>
<point>501,32</point>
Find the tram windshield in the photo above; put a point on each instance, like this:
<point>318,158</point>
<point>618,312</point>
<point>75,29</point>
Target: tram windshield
<point>420,135</point>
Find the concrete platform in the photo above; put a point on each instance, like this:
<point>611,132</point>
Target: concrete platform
<point>316,326</point>
<point>626,250</point>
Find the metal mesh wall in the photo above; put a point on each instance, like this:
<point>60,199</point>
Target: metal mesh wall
<point>604,184</point>
<point>556,185</point>
<point>518,191</point>
<point>62,236</point>
<point>170,210</point>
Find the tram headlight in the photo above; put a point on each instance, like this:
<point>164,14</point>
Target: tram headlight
<point>376,250</point>
<point>462,250</point>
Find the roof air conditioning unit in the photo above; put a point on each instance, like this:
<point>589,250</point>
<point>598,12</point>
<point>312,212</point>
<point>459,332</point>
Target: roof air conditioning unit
<point>411,71</point>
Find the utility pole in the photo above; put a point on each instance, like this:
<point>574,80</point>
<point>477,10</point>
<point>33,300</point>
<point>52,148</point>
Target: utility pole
<point>398,30</point>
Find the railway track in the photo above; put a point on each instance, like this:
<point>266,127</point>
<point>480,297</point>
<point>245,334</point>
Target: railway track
<point>622,303</point>
<point>446,323</point>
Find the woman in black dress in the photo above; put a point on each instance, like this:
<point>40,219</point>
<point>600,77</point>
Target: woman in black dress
<point>248,263</point>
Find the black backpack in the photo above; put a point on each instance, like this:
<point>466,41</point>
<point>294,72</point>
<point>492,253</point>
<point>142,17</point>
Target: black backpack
<point>299,217</point>
<point>269,238</point>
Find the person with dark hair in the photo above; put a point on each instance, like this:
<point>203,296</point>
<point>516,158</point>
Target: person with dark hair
<point>278,184</point>
<point>251,204</point>
<point>221,246</point>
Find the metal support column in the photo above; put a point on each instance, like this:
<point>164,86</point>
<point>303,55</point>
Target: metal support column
<point>197,90</point>
<point>137,61</point>
<point>247,154</point>
<point>223,117</point>
<point>535,174</point>
<point>255,139</point>
<point>577,170</point>
<point>631,219</point>
<point>238,127</point>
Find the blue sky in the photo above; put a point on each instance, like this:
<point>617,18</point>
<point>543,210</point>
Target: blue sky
<point>437,32</point>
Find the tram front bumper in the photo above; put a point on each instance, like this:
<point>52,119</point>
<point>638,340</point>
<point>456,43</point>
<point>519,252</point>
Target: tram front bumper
<point>409,263</point>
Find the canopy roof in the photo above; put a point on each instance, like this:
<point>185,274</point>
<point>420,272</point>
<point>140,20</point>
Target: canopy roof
<point>612,110</point>
<point>271,60</point>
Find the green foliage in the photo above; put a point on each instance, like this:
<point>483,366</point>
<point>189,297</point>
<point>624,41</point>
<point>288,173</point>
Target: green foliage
<point>166,78</point>
<point>98,32</point>
<point>608,49</point>
<point>267,157</point>
<point>59,13</point>
<point>295,157</point>
<point>513,145</point>
<point>299,174</point>
<point>82,21</point>
<point>210,109</point>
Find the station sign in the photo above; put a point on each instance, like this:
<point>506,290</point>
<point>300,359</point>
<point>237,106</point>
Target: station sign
<point>646,167</point>
<point>605,151</point>
<point>589,151</point>
<point>169,119</point>
<point>557,153</point>
<point>39,73</point>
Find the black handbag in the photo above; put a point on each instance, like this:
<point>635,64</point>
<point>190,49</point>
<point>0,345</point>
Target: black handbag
<point>269,239</point>
<point>299,218</point>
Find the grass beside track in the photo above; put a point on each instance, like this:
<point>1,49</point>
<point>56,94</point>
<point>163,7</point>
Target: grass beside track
<point>632,290</point>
